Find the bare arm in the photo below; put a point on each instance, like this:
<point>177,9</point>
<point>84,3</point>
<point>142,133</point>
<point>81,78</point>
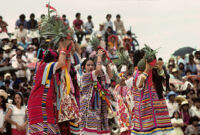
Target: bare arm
<point>62,56</point>
<point>8,119</point>
<point>99,62</point>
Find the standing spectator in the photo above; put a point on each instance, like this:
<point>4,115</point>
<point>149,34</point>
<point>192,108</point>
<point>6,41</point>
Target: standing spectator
<point>119,25</point>
<point>177,123</point>
<point>16,115</point>
<point>65,20</point>
<point>197,61</point>
<point>22,20</point>
<point>21,32</point>
<point>193,128</point>
<point>195,109</point>
<point>32,23</point>
<point>171,103</point>
<point>78,27</point>
<point>108,22</point>
<point>89,25</point>
<point>3,98</point>
<point>3,25</point>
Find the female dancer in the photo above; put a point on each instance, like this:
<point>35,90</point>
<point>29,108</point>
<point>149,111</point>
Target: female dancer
<point>42,110</point>
<point>93,97</point>
<point>150,113</point>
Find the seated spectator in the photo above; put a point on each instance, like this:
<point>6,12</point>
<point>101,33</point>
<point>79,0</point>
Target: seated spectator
<point>100,31</point>
<point>84,53</point>
<point>1,58</point>
<point>23,43</point>
<point>193,128</point>
<point>184,110</point>
<point>19,51</point>
<point>3,25</point>
<point>22,20</point>
<point>30,54</point>
<point>7,51</point>
<point>78,27</point>
<point>177,123</point>
<point>181,69</point>
<point>89,25</point>
<point>119,25</point>
<point>195,109</point>
<point>65,20</point>
<point>171,103</point>
<point>113,42</point>
<point>4,39</point>
<point>191,65</point>
<point>20,65</point>
<point>109,32</point>
<point>32,23</point>
<point>108,22</point>
<point>21,32</point>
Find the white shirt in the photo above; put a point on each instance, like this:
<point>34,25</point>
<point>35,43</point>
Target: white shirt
<point>2,118</point>
<point>89,26</point>
<point>172,107</point>
<point>19,34</point>
<point>108,24</point>
<point>194,111</point>
<point>18,115</point>
<point>177,130</point>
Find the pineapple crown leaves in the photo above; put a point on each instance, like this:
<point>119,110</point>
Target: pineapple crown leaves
<point>150,53</point>
<point>94,42</point>
<point>53,26</point>
<point>123,58</point>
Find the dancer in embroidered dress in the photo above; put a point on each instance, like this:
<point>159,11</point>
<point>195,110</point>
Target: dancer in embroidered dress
<point>124,105</point>
<point>93,97</point>
<point>42,110</point>
<point>151,116</point>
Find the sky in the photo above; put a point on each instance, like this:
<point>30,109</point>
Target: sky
<point>164,24</point>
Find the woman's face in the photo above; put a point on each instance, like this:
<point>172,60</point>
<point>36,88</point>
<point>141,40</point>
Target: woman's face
<point>18,99</point>
<point>176,115</point>
<point>185,107</point>
<point>89,67</point>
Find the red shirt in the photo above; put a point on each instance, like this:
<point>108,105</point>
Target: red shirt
<point>78,23</point>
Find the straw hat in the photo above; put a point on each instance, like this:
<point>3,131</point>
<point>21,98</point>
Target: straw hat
<point>99,35</point>
<point>4,35</point>
<point>87,36</point>
<point>13,37</point>
<point>184,103</point>
<point>20,48</point>
<point>101,24</point>
<point>6,47</point>
<point>33,34</point>
<point>31,46</point>
<point>6,75</point>
<point>83,45</point>
<point>174,70</point>
<point>3,93</point>
<point>180,99</point>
